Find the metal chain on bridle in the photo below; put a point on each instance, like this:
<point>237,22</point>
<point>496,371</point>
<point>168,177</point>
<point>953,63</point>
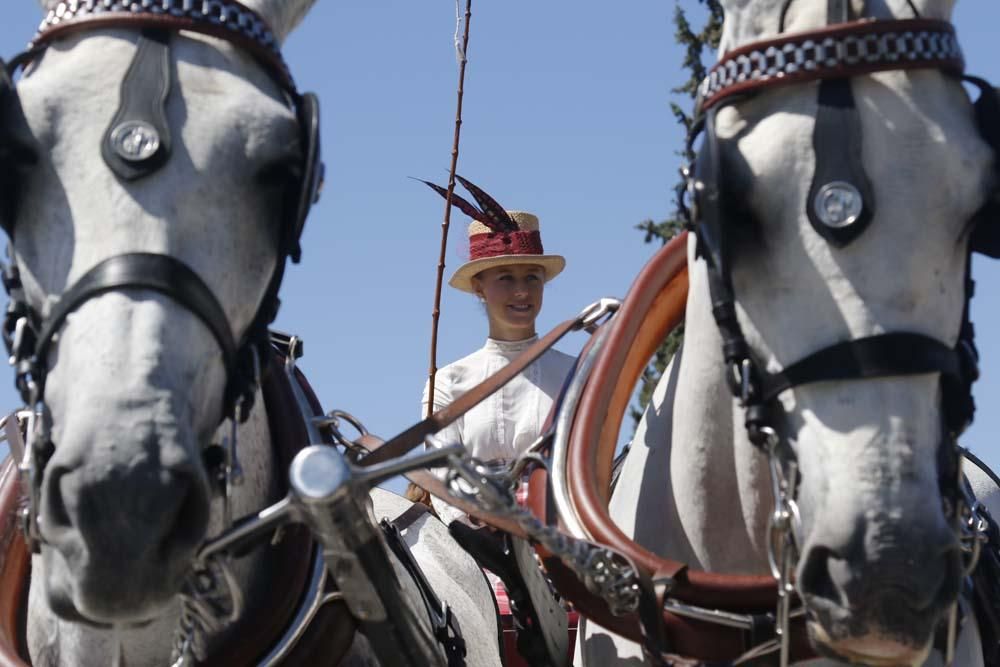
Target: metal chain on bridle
<point>605,573</point>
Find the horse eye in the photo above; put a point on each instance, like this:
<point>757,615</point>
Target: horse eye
<point>279,173</point>
<point>15,164</point>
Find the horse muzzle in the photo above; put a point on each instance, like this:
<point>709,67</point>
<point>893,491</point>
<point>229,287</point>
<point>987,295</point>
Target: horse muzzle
<point>120,532</point>
<point>881,602</point>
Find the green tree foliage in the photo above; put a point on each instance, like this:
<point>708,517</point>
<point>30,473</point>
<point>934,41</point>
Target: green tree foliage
<point>695,43</point>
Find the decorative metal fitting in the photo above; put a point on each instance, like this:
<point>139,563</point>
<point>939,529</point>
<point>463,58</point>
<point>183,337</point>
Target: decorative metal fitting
<point>318,473</point>
<point>135,141</point>
<point>838,204</point>
<point>592,315</point>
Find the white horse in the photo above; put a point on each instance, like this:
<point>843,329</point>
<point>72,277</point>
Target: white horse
<point>135,380</point>
<point>879,560</point>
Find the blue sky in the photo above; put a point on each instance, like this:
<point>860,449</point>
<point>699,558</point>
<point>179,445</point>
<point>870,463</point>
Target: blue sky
<point>566,115</point>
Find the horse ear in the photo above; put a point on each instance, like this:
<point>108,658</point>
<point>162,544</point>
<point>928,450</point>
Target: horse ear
<point>283,16</point>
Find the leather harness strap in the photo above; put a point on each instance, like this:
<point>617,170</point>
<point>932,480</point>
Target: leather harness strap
<point>442,621</point>
<point>15,561</point>
<point>897,353</point>
<point>414,436</point>
<point>653,306</point>
<point>595,418</point>
<point>837,139</point>
<point>147,271</point>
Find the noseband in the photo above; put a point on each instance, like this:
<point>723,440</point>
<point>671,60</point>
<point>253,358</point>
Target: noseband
<point>136,144</point>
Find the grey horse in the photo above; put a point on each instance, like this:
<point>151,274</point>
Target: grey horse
<point>135,380</point>
<point>879,566</point>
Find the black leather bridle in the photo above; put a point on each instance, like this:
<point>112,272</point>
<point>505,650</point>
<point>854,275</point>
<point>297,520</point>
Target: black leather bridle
<point>836,142</point>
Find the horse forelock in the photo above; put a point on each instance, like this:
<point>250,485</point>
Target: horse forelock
<point>282,15</point>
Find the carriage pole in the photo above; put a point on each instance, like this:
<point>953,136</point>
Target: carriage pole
<point>446,224</point>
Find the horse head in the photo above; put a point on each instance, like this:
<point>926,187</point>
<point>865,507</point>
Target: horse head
<point>846,211</point>
<point>135,375</point>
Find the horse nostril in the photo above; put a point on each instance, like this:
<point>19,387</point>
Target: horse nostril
<point>921,582</point>
<point>186,527</point>
<point>816,580</point>
<point>164,512</point>
<point>951,582</point>
<point>53,508</point>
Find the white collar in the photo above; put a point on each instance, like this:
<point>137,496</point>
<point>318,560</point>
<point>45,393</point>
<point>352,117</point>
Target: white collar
<point>509,346</point>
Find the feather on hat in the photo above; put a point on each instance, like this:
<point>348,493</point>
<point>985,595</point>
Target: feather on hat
<point>497,237</point>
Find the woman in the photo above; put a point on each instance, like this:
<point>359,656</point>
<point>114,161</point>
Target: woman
<point>507,271</point>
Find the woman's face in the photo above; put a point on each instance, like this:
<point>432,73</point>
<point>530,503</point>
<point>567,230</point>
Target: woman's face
<point>513,297</point>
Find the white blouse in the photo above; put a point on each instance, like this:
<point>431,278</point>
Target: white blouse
<point>509,421</point>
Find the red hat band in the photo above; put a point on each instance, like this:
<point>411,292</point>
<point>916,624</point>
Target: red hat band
<point>496,244</point>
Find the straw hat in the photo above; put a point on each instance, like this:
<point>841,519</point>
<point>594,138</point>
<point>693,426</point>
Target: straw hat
<point>489,249</point>
<point>498,237</point>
